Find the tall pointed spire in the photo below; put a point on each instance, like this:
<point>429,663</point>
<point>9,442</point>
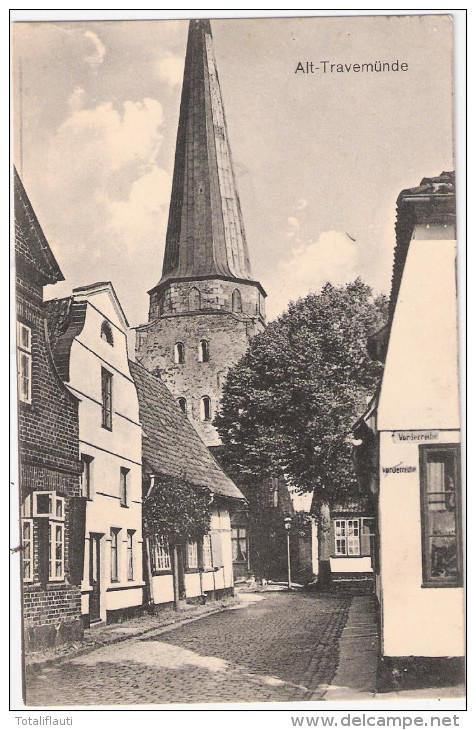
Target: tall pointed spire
<point>205,235</point>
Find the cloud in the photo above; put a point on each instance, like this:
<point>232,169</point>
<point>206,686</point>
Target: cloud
<point>75,101</point>
<point>170,69</point>
<point>332,257</point>
<point>96,57</point>
<point>293,227</point>
<point>130,134</point>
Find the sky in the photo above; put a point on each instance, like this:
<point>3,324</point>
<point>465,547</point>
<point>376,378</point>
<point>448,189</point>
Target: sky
<point>319,158</point>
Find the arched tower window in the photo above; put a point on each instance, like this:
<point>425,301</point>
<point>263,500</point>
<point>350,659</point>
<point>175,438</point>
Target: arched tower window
<point>106,333</point>
<point>206,409</point>
<point>194,299</point>
<point>236,304</point>
<point>182,404</point>
<point>179,353</point>
<point>204,351</point>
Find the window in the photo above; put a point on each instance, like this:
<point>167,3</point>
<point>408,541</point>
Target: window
<point>182,404</point>
<point>207,552</point>
<point>206,408</point>
<point>106,333</point>
<point>27,549</point>
<point>192,554</point>
<point>124,486</point>
<point>114,555</point>
<point>130,555</point>
<point>56,552</point>
<point>236,304</point>
<point>86,476</point>
<point>239,544</point>
<point>106,395</point>
<point>159,554</point>
<point>179,353</point>
<point>24,362</point>
<point>347,537</point>
<point>194,299</point>
<point>440,501</point>
<point>48,504</point>
<point>204,351</point>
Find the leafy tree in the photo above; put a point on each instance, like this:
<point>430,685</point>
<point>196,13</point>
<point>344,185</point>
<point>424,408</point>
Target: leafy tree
<point>176,510</point>
<point>289,403</point>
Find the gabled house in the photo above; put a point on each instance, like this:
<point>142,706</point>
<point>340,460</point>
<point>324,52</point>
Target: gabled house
<point>172,449</point>
<point>409,446</point>
<point>51,507</point>
<point>88,334</point>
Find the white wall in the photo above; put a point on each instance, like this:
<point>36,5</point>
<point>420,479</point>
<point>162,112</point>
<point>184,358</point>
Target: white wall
<point>416,621</point>
<point>420,381</point>
<point>351,565</point>
<point>111,450</point>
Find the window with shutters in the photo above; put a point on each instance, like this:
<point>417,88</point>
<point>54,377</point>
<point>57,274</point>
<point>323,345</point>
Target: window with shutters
<point>56,552</point>
<point>441,515</point>
<point>192,554</point>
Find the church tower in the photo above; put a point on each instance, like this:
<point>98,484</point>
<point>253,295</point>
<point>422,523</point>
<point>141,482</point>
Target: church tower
<point>206,306</point>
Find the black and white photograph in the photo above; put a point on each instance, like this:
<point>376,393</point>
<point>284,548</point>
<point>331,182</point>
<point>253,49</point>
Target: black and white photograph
<point>236,462</point>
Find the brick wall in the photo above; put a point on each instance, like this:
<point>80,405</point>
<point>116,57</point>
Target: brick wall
<point>48,439</point>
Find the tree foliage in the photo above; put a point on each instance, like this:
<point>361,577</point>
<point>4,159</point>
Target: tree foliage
<point>289,403</point>
<point>176,510</point>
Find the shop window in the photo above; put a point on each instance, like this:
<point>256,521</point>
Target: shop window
<point>106,396</point>
<point>205,408</point>
<point>159,554</point>
<point>192,554</point>
<point>24,362</point>
<point>86,476</point>
<point>179,353</point>
<point>106,333</point>
<point>204,351</point>
<point>114,555</point>
<point>239,544</point>
<point>441,519</point>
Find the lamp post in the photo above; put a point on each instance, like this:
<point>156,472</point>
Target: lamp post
<point>287,527</point>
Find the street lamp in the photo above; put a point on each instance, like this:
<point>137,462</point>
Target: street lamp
<point>287,527</point>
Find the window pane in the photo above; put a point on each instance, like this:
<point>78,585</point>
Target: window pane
<point>443,557</point>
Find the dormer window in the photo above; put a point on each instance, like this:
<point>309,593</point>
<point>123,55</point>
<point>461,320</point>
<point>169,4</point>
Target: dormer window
<point>204,351</point>
<point>179,353</point>
<point>106,333</point>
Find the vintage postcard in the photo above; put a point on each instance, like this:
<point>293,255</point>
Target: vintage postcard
<point>236,343</point>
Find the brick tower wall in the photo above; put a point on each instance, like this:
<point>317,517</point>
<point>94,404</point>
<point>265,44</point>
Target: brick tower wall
<point>228,335</point>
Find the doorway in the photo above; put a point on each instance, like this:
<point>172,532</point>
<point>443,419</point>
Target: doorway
<point>95,577</point>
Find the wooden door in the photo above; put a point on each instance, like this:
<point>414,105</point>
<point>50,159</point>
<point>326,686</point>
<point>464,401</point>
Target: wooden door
<point>95,577</point>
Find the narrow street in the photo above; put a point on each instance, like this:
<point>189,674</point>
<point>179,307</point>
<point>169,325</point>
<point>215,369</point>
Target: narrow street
<point>278,647</point>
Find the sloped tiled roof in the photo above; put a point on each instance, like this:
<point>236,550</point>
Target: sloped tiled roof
<point>31,246</point>
<point>170,444</point>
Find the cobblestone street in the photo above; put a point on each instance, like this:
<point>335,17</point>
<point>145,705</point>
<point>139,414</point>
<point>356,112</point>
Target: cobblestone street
<point>279,647</point>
